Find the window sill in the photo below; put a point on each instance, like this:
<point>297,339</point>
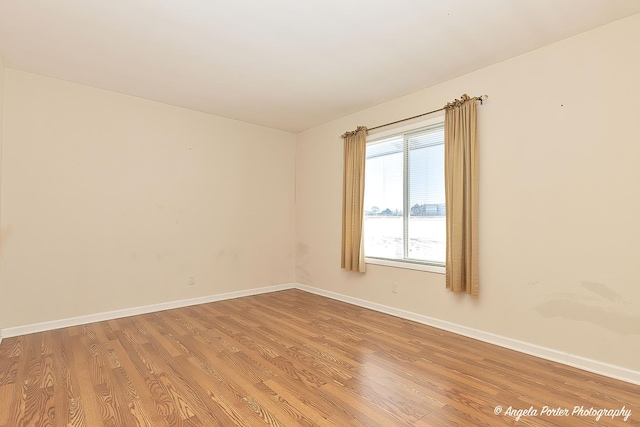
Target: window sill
<point>406,265</point>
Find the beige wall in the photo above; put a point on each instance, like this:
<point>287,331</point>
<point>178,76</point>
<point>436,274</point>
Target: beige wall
<point>559,210</point>
<point>1,139</point>
<point>111,202</point>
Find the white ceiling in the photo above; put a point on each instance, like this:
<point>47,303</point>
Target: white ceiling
<point>285,64</point>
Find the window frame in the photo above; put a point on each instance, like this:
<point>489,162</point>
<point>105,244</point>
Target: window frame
<point>415,126</point>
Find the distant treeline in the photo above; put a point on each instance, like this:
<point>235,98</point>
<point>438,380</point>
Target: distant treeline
<point>426,209</point>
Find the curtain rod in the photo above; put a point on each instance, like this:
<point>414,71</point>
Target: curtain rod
<point>477,98</point>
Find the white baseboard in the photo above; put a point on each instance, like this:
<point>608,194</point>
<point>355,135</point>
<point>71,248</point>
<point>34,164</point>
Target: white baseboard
<point>564,358</point>
<point>116,314</point>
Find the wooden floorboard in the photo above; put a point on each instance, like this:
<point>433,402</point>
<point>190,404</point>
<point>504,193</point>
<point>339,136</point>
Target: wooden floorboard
<point>287,358</point>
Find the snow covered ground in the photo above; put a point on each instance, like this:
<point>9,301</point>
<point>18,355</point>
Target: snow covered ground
<point>427,238</point>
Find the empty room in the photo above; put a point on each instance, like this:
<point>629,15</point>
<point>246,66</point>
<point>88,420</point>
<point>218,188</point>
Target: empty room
<point>319,213</point>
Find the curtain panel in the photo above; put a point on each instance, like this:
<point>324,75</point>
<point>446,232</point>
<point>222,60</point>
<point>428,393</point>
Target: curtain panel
<point>353,200</point>
<point>461,192</point>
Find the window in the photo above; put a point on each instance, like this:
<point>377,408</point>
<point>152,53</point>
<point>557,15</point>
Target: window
<point>404,202</point>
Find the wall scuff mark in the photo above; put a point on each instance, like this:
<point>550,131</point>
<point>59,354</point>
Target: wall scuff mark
<point>601,306</point>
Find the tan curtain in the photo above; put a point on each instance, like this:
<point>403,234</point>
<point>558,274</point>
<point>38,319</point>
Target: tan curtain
<point>353,200</point>
<point>461,189</point>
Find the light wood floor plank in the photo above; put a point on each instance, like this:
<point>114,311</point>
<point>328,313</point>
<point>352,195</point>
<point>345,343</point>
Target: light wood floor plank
<point>287,358</point>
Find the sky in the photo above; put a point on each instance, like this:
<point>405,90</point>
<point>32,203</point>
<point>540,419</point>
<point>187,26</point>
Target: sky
<point>384,175</point>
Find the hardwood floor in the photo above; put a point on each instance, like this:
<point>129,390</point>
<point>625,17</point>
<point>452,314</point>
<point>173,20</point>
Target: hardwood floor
<point>285,359</point>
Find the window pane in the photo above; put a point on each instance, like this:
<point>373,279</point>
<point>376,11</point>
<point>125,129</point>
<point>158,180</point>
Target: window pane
<point>406,172</point>
<point>427,222</point>
<point>383,199</point>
